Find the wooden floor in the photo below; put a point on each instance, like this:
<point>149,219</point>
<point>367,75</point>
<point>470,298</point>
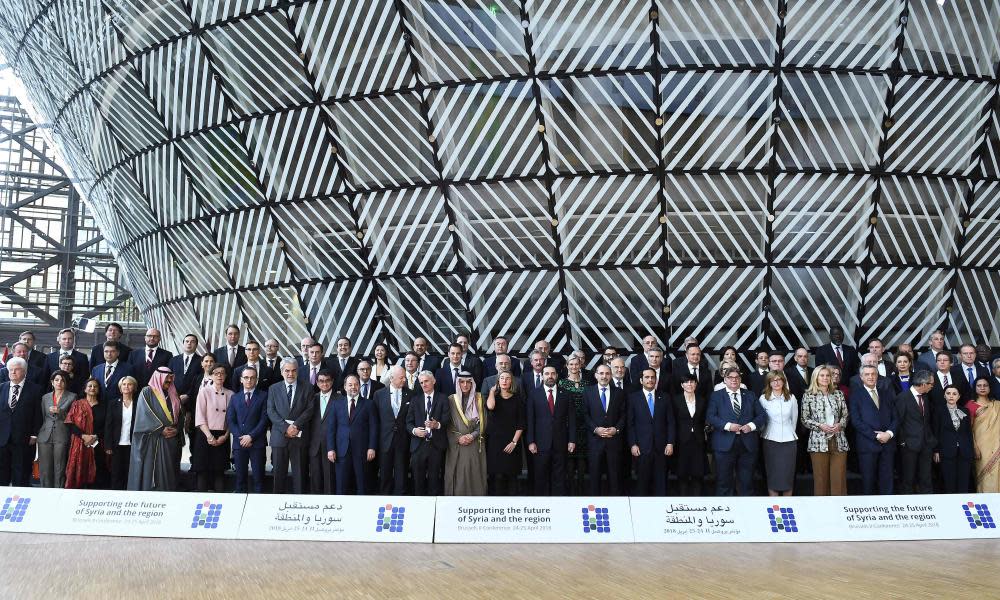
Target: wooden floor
<point>40,566</point>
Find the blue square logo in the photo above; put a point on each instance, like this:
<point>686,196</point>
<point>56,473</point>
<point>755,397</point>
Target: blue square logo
<point>206,515</point>
<point>390,519</point>
<point>14,508</point>
<point>979,516</point>
<point>595,519</point>
<point>782,519</point>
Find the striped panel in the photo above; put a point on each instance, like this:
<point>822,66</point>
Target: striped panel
<point>143,23</point>
<point>383,141</point>
<point>990,157</point>
<point>167,185</point>
<point>858,35</point>
<point>608,220</point>
<point>51,88</point>
<point>353,47</point>
<point>807,302</point>
<point>17,15</point>
<point>473,39</point>
<point>320,240</point>
<point>220,169</point>
<point>733,110</point>
<point>821,218</point>
<point>89,36</point>
<point>217,312</point>
<point>182,86</point>
<point>975,316</point>
<point>716,218</point>
<point>259,63</point>
<point>250,247</point>
<point>406,231</point>
<point>831,120</point>
<point>294,150</point>
<point>586,36</point>
<point>349,309</point>
<point>122,100</point>
<point>430,307</point>
<point>487,130</point>
<point>128,202</point>
<point>958,37</point>
<point>920,217</point>
<point>104,212</point>
<point>274,313</point>
<point>199,258</point>
<point>156,317</point>
<point>502,224</point>
<point>525,306</point>
<point>717,32</point>
<point>937,125</point>
<point>179,319</point>
<point>135,276</point>
<point>613,306</point>
<point>980,242</point>
<point>212,11</point>
<point>85,123</point>
<point>166,279</point>
<point>50,58</point>
<point>717,305</point>
<point>904,303</point>
<point>600,123</point>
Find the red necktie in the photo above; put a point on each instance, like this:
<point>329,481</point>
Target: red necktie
<point>840,357</point>
<point>149,360</point>
<point>350,412</point>
<point>920,403</point>
<point>552,403</point>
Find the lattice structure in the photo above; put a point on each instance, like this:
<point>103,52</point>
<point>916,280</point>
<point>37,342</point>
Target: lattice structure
<point>747,172</point>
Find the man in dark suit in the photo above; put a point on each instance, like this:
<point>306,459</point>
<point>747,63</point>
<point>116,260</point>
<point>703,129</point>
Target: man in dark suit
<point>886,367</point>
<point>605,410</point>
<point>303,358</point>
<point>532,376</point>
<point>351,437</point>
<point>692,362</point>
<point>111,371</point>
<point>500,346</point>
<point>929,358</point>
<point>651,434</point>
<point>550,360</point>
<point>503,364</point>
<point>342,364</point>
<point>144,361</point>
<point>290,410</point>
<point>970,369</point>
<point>271,358</point>
<point>447,375</point>
<point>798,373</point>
<point>188,373</point>
<point>35,374</point>
<point>621,379</point>
<point>470,362</point>
<point>390,408</point>
<point>248,425</point>
<point>425,361</point>
<point>640,362</point>
<point>984,356</point>
<point>838,353</point>
<point>321,469</point>
<point>759,372</point>
<point>946,375</point>
<point>875,421</point>
<point>67,347</point>
<point>914,436</point>
<point>113,332</point>
<point>232,354</point>
<point>662,370</point>
<point>737,418</point>
<point>427,421</point>
<point>20,420</point>
<point>551,434</point>
<point>309,373</point>
<point>35,358</point>
<point>265,374</point>
<point>366,385</point>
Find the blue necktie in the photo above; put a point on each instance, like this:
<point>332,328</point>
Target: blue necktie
<point>649,400</point>
<point>604,398</point>
<point>972,379</point>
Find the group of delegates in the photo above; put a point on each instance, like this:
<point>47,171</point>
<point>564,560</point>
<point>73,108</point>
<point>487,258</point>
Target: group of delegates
<point>462,424</point>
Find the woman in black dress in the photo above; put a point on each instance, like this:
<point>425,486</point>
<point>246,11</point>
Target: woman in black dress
<point>504,429</point>
<point>572,385</point>
<point>689,448</point>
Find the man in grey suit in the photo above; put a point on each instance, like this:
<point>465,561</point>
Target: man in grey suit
<point>53,437</point>
<point>321,471</point>
<point>503,365</point>
<point>289,409</point>
<point>391,406</point>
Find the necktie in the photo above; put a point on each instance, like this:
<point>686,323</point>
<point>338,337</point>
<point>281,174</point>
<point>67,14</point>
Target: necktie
<point>604,398</point>
<point>149,359</point>
<point>312,375</point>
<point>947,381</point>
<point>15,391</point>
<point>270,363</point>
<point>64,353</point>
<point>232,356</point>
<point>187,363</point>
<point>552,403</point>
<point>107,374</point>
<point>840,357</point>
<point>454,380</point>
<point>920,403</point>
<point>246,397</point>
<point>874,394</point>
<point>395,404</point>
<point>343,365</point>
<point>350,410</point>
<point>409,380</point>
<point>649,401</point>
<point>972,378</point>
<point>288,390</point>
<point>694,372</point>
<point>364,390</point>
<point>538,380</point>
<point>735,401</point>
<point>430,406</point>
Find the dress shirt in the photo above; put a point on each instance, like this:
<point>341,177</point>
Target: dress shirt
<point>739,396</point>
<point>125,439</point>
<point>323,400</point>
<point>211,408</point>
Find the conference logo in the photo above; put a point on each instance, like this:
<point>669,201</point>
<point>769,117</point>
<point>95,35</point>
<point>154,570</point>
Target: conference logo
<point>596,519</point>
<point>14,508</point>
<point>206,515</point>
<point>390,519</point>
<point>782,519</point>
<point>979,516</point>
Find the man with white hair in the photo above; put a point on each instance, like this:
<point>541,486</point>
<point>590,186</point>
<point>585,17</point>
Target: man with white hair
<point>391,406</point>
<point>20,420</point>
<point>34,374</point>
<point>868,360</point>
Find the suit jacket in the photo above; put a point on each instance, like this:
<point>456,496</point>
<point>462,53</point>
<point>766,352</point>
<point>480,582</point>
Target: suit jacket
<point>281,408</point>
<point>638,363</point>
<point>97,354</point>
<point>528,380</point>
<point>252,419</point>
<point>110,389</point>
<point>796,384</point>
<point>373,386</point>
<point>551,432</point>
<point>867,419</point>
<point>429,362</point>
<point>81,365</point>
<point>977,372</point>
<point>915,427</point>
<point>594,416</point>
<point>265,376</point>
<point>188,383</point>
<point>628,385</point>
<point>474,365</point>
<point>17,425</point>
<point>416,415</point>
<point>653,432</point>
<point>680,367</point>
<point>356,434</point>
<point>390,428</point>
<point>957,379</point>
<point>755,381</point>
<point>557,361</point>
<point>222,357</point>
<point>305,374</point>
<point>490,365</point>
<point>826,355</point>
<point>720,411</point>
<point>52,428</point>
<point>318,425</point>
<point>113,422</point>
<point>137,359</point>
<point>339,374</point>
<point>34,374</point>
<point>444,379</point>
<point>491,381</point>
<point>689,429</point>
<point>928,360</point>
<point>952,443</point>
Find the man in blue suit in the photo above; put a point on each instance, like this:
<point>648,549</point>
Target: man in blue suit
<point>351,437</point>
<point>651,432</point>
<point>737,418</point>
<point>551,433</point>
<point>20,420</point>
<point>447,374</point>
<point>874,418</point>
<point>247,418</point>
<point>67,347</point>
<point>111,371</point>
<point>605,411</point>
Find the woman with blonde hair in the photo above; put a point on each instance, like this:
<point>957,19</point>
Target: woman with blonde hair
<point>779,438</point>
<point>825,414</point>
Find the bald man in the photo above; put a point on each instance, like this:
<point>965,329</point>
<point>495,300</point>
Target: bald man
<point>148,358</point>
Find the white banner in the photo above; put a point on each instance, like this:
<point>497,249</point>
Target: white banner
<point>522,520</point>
<point>29,509</point>
<point>338,518</point>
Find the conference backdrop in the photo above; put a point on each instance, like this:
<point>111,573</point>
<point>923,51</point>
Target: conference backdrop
<point>746,172</point>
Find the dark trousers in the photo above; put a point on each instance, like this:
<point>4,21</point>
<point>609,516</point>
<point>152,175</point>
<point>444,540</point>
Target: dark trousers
<point>876,471</point>
<point>280,458</point>
<point>321,473</point>
<point>392,467</point>
<point>916,466</point>
<point>955,474</point>
<point>427,463</point>
<point>651,474</point>
<point>734,464</point>
<point>15,464</point>
<point>605,460</point>
<point>121,457</point>
<point>255,456</point>
<point>502,485</point>
<point>350,473</point>
<point>550,473</point>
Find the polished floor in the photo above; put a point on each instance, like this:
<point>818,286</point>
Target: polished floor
<point>40,566</point>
